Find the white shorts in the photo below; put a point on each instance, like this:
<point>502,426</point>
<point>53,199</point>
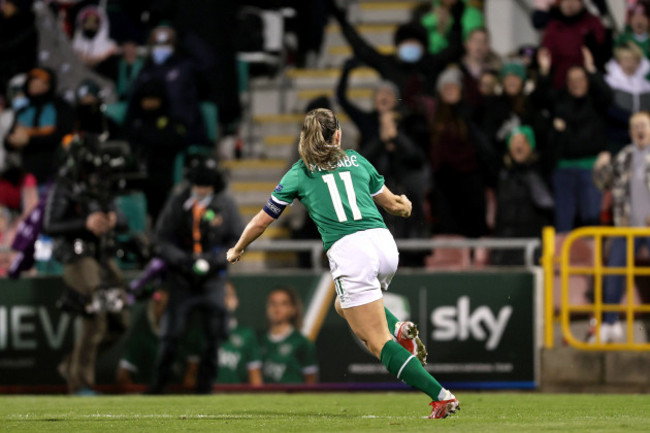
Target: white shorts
<point>362,265</point>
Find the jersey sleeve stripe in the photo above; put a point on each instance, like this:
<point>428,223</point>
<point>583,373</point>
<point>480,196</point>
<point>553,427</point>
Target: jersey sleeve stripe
<point>378,192</point>
<point>278,201</point>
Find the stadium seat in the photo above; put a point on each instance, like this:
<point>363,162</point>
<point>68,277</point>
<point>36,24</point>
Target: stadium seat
<point>448,258</point>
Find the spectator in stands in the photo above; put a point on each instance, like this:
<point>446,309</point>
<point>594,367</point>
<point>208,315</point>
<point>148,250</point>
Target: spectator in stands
<point>39,127</point>
<point>239,357</point>
<point>439,20</point>
<point>512,108</point>
<point>18,192</point>
<point>128,68</point>
<point>88,111</point>
<point>577,137</point>
<point>477,59</point>
<point>626,76</point>
<point>628,175</point>
<point>524,201</point>
<point>179,74</point>
<point>488,85</point>
<point>156,138</point>
<point>287,355</point>
<point>458,153</point>
<point>546,10</point>
<point>638,25</point>
<point>413,69</point>
<point>16,100</point>
<point>394,140</point>
<point>18,39</point>
<point>567,32</point>
<point>91,41</point>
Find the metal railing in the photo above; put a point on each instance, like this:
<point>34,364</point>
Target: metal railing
<point>597,271</point>
<point>527,245</point>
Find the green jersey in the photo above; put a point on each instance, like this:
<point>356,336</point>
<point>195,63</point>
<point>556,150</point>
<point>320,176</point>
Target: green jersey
<point>287,359</point>
<point>239,354</point>
<point>338,201</point>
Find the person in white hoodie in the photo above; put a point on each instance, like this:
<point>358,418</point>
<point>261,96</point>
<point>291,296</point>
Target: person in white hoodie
<point>626,75</point>
<point>91,41</point>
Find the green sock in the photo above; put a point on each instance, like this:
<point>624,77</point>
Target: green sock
<point>392,321</point>
<point>408,369</point>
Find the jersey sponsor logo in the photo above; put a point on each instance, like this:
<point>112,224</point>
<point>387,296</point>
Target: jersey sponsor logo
<point>236,340</point>
<point>285,349</point>
<point>460,323</point>
<point>274,370</point>
<point>348,161</point>
<point>228,359</point>
<point>278,188</point>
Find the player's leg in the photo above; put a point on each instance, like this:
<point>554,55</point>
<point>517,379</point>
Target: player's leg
<point>406,332</point>
<point>368,322</point>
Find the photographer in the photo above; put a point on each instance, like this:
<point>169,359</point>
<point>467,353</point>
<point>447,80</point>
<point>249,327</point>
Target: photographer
<point>82,219</point>
<point>192,234</point>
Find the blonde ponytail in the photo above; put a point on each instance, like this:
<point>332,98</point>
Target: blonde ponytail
<point>317,147</point>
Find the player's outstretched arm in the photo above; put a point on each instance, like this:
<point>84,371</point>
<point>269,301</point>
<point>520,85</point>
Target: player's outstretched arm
<point>398,205</point>
<point>253,230</point>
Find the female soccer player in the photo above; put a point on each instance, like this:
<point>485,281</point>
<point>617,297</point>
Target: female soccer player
<point>338,189</point>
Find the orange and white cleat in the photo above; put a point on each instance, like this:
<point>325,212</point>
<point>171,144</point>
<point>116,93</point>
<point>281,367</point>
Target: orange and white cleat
<point>406,334</point>
<point>444,408</point>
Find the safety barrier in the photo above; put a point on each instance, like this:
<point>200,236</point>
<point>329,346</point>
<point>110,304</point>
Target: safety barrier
<point>567,269</point>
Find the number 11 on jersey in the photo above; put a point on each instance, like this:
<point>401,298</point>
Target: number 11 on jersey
<point>346,177</point>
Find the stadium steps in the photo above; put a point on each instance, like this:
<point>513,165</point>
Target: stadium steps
<point>375,34</point>
<point>385,12</point>
<point>275,135</point>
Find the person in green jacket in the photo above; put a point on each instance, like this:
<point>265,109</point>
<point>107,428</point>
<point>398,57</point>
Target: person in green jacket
<point>439,20</point>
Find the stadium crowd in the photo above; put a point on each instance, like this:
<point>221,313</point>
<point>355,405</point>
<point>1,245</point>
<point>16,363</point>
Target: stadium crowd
<point>483,145</point>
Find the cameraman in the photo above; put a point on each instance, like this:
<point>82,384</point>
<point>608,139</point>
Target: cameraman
<point>192,236</point>
<point>82,222</point>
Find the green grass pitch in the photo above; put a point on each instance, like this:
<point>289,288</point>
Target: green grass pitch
<point>335,412</point>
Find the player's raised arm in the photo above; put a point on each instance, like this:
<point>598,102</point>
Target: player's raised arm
<point>398,205</point>
<point>253,230</point>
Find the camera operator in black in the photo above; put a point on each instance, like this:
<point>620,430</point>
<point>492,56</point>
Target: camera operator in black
<point>82,223</point>
<point>192,236</point>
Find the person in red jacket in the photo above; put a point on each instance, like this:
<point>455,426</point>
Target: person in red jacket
<point>566,34</point>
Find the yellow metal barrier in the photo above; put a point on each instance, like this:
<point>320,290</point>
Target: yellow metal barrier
<point>597,271</point>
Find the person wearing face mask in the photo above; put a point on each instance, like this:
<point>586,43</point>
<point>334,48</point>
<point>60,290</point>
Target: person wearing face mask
<point>524,201</point>
<point>412,69</point>
<point>16,99</point>
<point>180,76</point>
<point>40,125</point>
<point>191,236</point>
<point>91,41</point>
